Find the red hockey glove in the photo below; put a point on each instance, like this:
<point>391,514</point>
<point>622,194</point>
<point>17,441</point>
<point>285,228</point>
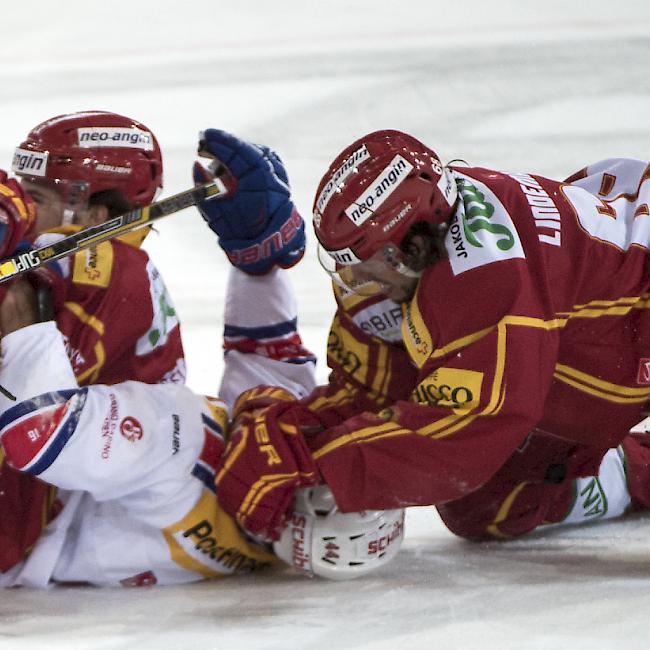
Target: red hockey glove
<point>17,214</point>
<point>265,461</point>
<point>253,400</point>
<point>17,218</point>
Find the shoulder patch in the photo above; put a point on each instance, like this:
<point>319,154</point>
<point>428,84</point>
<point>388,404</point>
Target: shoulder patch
<point>94,266</point>
<point>481,231</point>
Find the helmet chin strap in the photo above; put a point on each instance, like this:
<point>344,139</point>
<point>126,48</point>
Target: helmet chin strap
<point>68,217</point>
<point>402,269</point>
<point>76,197</point>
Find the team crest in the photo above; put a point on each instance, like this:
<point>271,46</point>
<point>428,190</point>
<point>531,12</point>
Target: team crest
<point>131,429</point>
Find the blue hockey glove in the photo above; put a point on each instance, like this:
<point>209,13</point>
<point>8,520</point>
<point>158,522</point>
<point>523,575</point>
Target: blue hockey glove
<point>257,223</point>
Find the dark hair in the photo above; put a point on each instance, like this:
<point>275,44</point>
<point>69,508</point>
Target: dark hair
<point>433,236</point>
<point>113,200</point>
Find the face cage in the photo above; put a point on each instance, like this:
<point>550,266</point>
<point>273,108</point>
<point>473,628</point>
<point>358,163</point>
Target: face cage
<point>74,194</point>
<point>370,277</point>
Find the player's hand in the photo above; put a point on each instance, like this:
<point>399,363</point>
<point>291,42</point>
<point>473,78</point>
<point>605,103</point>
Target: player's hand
<point>48,282</point>
<point>17,218</point>
<point>17,214</point>
<point>19,307</point>
<point>257,223</point>
<point>265,461</point>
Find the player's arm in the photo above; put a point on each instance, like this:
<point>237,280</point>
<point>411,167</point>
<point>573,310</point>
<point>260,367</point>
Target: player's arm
<point>119,318</point>
<point>157,355</point>
<point>472,406</point>
<point>261,330</point>
<point>370,367</point>
<point>468,423</point>
<point>473,403</point>
<point>262,233</point>
<point>262,344</point>
<point>111,441</point>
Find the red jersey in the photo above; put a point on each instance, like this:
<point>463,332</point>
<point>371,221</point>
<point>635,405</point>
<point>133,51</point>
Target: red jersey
<point>118,320</point>
<point>118,323</point>
<point>370,366</point>
<point>538,319</point>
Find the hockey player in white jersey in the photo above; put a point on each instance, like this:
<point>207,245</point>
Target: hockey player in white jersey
<point>135,463</point>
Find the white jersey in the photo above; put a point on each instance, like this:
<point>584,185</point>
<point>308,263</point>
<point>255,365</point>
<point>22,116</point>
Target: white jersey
<point>135,463</point>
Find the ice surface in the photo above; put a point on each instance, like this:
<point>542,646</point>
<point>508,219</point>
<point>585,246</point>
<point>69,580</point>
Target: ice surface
<point>521,85</point>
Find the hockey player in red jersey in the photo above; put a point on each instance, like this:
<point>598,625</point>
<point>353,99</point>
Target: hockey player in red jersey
<point>82,169</point>
<point>110,301</point>
<point>136,463</point>
<point>526,323</point>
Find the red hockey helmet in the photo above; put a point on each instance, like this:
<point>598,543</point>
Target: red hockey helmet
<point>102,150</point>
<point>375,190</point>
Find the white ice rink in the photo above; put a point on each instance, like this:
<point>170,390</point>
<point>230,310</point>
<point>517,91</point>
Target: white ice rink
<point>520,85</point>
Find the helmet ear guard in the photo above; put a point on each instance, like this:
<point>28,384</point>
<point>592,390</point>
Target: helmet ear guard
<point>321,541</point>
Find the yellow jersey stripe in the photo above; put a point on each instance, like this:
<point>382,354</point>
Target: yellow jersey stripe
<point>382,370</point>
<point>337,399</point>
<point>600,394</point>
<point>356,436</point>
<point>260,488</point>
<point>497,382</point>
<point>460,343</point>
<point>461,424</point>
<point>84,317</point>
<point>605,386</point>
<point>264,485</point>
<point>531,321</point>
<point>504,509</point>
<point>233,455</point>
<point>592,304</point>
<point>93,372</point>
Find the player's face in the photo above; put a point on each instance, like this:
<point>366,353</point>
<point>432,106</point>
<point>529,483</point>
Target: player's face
<point>49,213</point>
<point>385,272</point>
<point>61,203</point>
<point>391,282</point>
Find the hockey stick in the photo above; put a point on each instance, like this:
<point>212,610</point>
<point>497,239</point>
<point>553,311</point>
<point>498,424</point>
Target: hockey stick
<point>27,261</point>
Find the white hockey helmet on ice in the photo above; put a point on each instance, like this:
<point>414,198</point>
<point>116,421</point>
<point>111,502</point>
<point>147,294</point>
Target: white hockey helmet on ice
<point>319,540</point>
